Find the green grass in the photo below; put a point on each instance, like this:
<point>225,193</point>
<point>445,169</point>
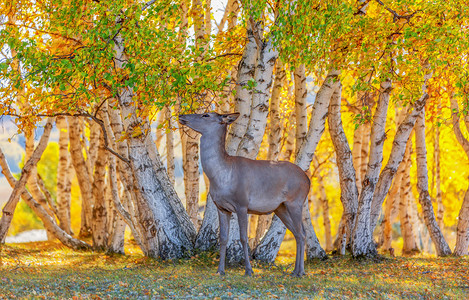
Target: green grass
<point>49,271</point>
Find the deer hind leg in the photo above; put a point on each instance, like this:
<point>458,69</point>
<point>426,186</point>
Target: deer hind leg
<point>224,220</point>
<point>243,236</point>
<point>291,216</point>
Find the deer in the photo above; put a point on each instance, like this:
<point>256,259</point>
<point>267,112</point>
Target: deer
<point>245,186</point>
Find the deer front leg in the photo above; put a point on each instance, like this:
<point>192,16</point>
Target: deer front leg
<point>243,235</point>
<point>224,220</point>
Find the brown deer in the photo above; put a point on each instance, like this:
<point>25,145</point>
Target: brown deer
<point>241,185</point>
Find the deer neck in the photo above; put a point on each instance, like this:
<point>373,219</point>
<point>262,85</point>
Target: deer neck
<point>213,155</point>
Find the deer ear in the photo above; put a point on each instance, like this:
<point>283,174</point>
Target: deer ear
<point>229,118</point>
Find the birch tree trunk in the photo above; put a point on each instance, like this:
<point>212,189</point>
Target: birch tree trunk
<point>263,221</point>
<point>437,174</point>
<point>441,246</point>
<point>275,126</point>
<point>324,205</point>
<point>289,144</point>
<point>270,244</point>
<point>409,246</point>
<point>190,139</point>
<point>300,106</point>
<point>19,187</point>
<point>356,153</point>
<point>243,99</point>
<point>64,177</point>
<point>169,146</point>
<point>161,225</point>
<point>99,224</point>
<point>47,220</point>
<point>397,153</point>
<point>83,176</point>
<point>250,144</point>
<point>392,203</point>
<point>344,158</point>
<point>129,210</point>
<point>462,237</point>
<point>362,239</point>
<point>32,182</point>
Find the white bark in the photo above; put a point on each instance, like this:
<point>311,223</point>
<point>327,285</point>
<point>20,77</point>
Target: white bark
<point>189,139</point>
<point>99,224</point>
<point>344,158</point>
<point>356,153</point>
<point>462,237</point>
<point>441,246</point>
<point>64,171</point>
<point>83,176</point>
<point>169,146</point>
<point>243,99</point>
<point>161,224</point>
<point>362,239</point>
<point>270,243</point>
<point>300,106</point>
<point>317,120</point>
<point>26,172</point>
<point>250,144</point>
<point>409,246</point>
<point>397,153</point>
<point>392,203</point>
<point>437,181</point>
<point>47,220</point>
<point>275,126</point>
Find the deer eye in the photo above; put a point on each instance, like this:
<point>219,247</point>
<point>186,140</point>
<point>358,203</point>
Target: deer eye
<point>205,115</point>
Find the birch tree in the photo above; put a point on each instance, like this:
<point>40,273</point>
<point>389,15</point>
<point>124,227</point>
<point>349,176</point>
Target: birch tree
<point>462,238</point>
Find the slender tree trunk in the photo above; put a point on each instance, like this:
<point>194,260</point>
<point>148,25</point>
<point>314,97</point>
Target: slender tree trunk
<point>169,146</point>
<point>64,177</point>
<point>362,239</point>
<point>47,220</point>
<point>84,178</point>
<point>189,139</point>
<point>409,246</point>
<point>250,144</point>
<point>437,174</point>
<point>161,225</point>
<point>344,158</point>
<point>392,204</point>
<point>300,106</point>
<point>356,153</point>
<point>397,153</point>
<point>325,208</point>
<point>99,224</point>
<point>32,182</point>
<point>243,100</point>
<point>275,125</point>
<point>270,244</point>
<point>9,208</point>
<point>289,143</point>
<point>263,221</point>
<point>462,236</point>
<point>441,246</point>
<point>131,202</point>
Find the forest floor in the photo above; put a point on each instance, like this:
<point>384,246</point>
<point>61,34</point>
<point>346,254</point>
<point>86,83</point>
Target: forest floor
<point>47,270</point>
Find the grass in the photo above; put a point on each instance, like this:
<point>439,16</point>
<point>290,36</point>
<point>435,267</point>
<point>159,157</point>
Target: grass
<point>48,270</point>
